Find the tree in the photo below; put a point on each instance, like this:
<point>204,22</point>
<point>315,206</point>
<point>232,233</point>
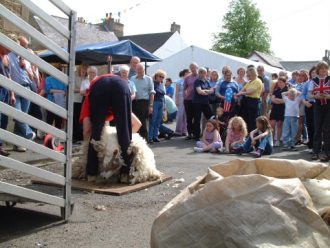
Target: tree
<point>243,31</point>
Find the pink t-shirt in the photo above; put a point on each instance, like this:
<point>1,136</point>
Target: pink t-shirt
<point>233,136</point>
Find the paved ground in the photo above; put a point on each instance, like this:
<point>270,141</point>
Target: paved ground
<point>126,220</point>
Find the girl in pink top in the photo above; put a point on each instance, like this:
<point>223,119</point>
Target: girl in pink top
<point>211,140</point>
<point>236,133</point>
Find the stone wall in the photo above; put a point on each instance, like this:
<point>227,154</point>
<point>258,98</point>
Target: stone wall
<point>17,8</point>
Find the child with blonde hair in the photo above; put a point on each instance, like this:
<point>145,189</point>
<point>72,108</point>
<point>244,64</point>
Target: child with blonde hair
<point>236,133</point>
<point>211,140</point>
<point>260,141</point>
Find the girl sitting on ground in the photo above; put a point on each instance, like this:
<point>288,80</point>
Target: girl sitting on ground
<point>260,139</point>
<point>211,140</point>
<point>236,133</point>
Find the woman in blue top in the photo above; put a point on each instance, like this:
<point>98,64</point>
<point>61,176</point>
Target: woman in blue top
<point>56,91</point>
<point>158,106</point>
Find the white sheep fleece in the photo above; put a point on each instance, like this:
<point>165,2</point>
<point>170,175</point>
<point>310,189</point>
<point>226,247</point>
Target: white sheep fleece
<point>143,167</point>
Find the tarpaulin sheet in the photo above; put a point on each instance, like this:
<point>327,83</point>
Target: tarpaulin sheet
<point>257,203</point>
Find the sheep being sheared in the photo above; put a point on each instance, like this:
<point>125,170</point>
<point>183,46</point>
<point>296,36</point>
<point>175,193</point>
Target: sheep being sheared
<point>143,167</point>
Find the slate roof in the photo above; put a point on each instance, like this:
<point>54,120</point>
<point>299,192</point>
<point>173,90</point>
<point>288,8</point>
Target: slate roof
<point>269,59</point>
<point>150,42</point>
<point>86,33</point>
<point>298,65</point>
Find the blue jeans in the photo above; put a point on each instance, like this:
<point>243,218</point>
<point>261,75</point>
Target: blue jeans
<point>264,144</point>
<point>22,129</point>
<point>304,130</point>
<point>3,117</point>
<point>290,127</point>
<point>165,130</point>
<point>156,119</point>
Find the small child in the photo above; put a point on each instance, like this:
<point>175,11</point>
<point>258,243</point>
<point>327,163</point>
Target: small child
<point>222,121</point>
<point>236,133</point>
<point>260,139</point>
<point>211,140</point>
<point>291,114</point>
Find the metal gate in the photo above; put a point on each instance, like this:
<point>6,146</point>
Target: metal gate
<point>68,56</point>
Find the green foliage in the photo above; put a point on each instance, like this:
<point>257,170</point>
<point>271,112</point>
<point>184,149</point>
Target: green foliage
<point>243,31</point>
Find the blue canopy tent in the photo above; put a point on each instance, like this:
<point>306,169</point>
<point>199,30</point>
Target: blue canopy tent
<point>97,53</point>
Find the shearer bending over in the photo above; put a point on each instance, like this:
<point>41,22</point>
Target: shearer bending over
<point>109,97</point>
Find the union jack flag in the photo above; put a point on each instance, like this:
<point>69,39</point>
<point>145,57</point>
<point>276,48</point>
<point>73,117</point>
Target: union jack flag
<point>228,97</point>
<point>321,86</point>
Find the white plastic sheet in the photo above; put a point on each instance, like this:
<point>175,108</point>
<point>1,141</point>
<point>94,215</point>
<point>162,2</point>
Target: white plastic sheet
<point>258,203</point>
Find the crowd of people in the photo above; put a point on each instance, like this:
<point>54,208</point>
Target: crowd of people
<point>252,112</point>
<point>248,112</point>
<point>27,75</point>
<point>222,112</point>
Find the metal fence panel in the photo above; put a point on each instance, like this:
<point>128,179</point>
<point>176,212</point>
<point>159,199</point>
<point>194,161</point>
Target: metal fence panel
<point>46,18</point>
<point>31,194</point>
<point>68,164</point>
<point>69,57</point>
<point>33,97</point>
<point>32,170</point>
<point>20,23</point>
<point>41,149</point>
<point>34,122</point>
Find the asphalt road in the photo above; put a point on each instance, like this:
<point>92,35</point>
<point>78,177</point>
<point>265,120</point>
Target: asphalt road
<point>123,221</point>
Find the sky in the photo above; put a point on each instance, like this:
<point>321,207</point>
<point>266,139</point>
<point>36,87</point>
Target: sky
<point>300,29</point>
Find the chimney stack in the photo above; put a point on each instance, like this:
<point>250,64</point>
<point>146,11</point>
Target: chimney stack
<point>111,24</point>
<point>175,27</point>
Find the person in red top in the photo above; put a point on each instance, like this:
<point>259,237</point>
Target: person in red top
<point>109,97</point>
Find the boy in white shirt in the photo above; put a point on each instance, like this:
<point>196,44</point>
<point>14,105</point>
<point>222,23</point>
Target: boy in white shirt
<point>291,114</point>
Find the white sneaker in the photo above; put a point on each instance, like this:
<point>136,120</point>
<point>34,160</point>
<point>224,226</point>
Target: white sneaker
<point>222,149</point>
<point>277,143</point>
<point>197,149</point>
<point>33,136</point>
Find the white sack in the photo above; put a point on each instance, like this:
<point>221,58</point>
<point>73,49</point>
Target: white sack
<point>234,206</point>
